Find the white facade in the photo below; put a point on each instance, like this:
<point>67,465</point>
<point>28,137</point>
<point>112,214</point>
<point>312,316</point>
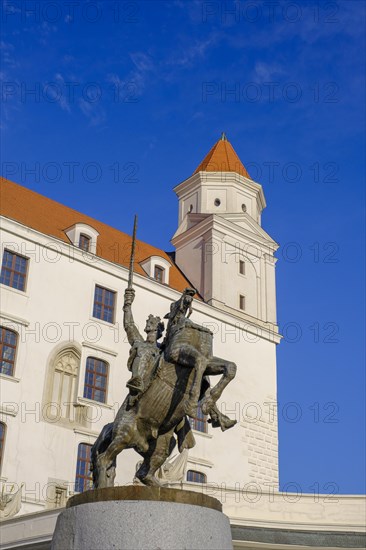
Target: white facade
<point>55,314</point>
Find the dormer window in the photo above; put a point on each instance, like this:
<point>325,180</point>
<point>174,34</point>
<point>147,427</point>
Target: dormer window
<point>157,268</point>
<point>159,273</point>
<point>84,242</point>
<point>83,236</point>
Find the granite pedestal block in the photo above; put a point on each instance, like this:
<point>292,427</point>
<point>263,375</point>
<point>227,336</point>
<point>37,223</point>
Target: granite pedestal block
<point>142,518</point>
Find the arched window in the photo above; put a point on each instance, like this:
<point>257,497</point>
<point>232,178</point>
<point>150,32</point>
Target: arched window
<point>196,477</point>
<point>199,423</point>
<point>96,377</point>
<point>2,441</point>
<point>83,478</point>
<point>65,371</point>
<point>8,348</point>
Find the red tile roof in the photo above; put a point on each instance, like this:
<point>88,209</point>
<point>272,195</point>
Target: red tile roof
<point>52,218</point>
<point>222,158</point>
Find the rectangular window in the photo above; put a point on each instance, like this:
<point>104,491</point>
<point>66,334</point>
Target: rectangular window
<point>241,267</point>
<point>242,302</point>
<point>96,375</point>
<point>84,242</point>
<point>200,422</point>
<point>159,274</point>
<point>14,270</point>
<point>83,478</point>
<point>196,477</point>
<point>8,348</point>
<point>104,301</point>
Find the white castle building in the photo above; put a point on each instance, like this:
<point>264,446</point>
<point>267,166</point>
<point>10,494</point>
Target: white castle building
<point>64,358</point>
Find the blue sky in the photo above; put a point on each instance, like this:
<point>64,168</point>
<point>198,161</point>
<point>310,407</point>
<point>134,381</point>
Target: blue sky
<point>127,99</point>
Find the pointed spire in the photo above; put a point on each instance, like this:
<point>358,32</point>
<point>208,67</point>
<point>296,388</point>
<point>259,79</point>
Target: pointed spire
<point>222,158</point>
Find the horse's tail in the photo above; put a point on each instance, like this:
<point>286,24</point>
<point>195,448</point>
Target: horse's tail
<point>101,444</point>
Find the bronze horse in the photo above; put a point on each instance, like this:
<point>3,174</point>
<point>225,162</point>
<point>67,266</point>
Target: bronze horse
<point>153,422</point>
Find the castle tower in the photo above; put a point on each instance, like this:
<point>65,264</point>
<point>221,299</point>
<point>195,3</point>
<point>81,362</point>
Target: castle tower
<point>220,244</point>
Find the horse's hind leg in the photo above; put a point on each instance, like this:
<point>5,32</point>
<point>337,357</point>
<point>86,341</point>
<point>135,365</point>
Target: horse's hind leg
<point>106,461</point>
<point>159,451</point>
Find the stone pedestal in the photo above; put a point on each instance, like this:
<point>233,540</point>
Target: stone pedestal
<point>142,518</point>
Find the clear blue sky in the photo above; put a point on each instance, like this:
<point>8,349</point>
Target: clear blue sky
<point>127,99</point>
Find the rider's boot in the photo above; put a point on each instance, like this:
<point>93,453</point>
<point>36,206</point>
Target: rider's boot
<point>217,419</point>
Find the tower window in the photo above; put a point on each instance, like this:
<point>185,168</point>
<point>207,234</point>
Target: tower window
<point>242,302</point>
<point>196,477</point>
<point>96,375</point>
<point>104,300</point>
<point>14,270</point>
<point>241,267</point>
<point>217,202</point>
<point>84,242</point>
<point>190,208</point>
<point>159,273</point>
<point>8,347</point>
<point>244,207</point>
<point>83,478</point>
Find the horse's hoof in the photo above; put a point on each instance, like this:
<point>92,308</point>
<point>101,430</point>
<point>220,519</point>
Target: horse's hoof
<point>206,404</point>
<point>151,481</point>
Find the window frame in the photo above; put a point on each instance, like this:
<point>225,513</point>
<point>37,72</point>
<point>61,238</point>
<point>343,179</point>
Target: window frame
<point>102,304</point>
<point>87,239</point>
<point>13,363</point>
<point>242,264</point>
<point>95,373</point>
<point>197,421</point>
<point>13,271</point>
<point>161,270</point>
<point>80,478</point>
<point>242,302</point>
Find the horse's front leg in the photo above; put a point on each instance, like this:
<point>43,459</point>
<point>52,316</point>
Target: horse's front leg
<point>160,449</point>
<point>216,366</point>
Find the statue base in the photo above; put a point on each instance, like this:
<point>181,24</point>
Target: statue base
<point>141,518</point>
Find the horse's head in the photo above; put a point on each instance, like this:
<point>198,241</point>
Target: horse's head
<point>179,308</point>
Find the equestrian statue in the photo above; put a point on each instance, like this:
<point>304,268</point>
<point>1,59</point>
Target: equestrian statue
<point>169,380</point>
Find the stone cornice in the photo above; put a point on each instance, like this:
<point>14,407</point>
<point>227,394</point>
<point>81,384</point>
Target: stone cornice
<point>220,179</point>
<point>217,222</point>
